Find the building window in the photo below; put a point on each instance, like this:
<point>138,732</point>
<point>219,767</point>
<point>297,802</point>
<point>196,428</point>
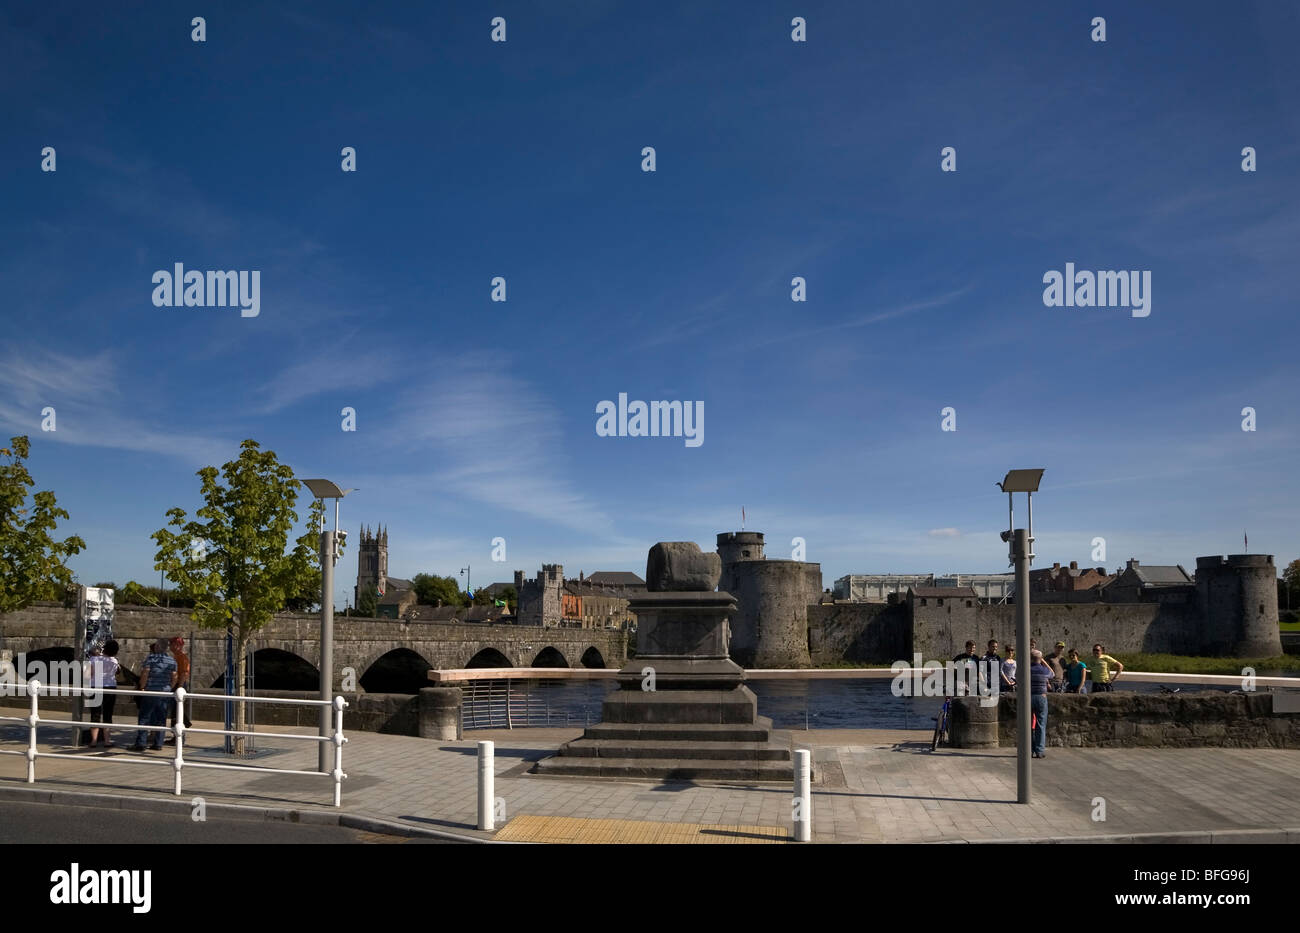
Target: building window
<point>922,600</point>
<point>940,600</point>
<point>968,604</point>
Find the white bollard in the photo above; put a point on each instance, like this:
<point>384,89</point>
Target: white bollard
<point>179,761</point>
<point>486,786</point>
<point>801,807</point>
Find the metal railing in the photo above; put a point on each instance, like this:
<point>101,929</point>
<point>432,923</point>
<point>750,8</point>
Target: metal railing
<point>510,704</point>
<point>34,689</point>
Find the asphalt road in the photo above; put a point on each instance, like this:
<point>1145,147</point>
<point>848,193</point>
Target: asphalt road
<point>42,823</point>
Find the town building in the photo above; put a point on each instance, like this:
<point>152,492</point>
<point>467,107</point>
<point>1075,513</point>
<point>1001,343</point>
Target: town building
<point>1071,579</point>
<point>1136,583</point>
<point>879,587</point>
<point>394,596</point>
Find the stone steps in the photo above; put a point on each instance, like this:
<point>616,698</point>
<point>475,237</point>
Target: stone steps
<point>682,750</point>
<point>761,731</point>
<point>680,706</point>
<point>669,769</point>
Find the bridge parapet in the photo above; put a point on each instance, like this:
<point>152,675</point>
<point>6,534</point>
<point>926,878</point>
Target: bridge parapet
<point>358,642</point>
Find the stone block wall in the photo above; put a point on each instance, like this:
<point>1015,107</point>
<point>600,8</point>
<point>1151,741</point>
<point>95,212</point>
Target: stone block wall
<point>1208,719</point>
<point>941,632</point>
<point>858,632</point>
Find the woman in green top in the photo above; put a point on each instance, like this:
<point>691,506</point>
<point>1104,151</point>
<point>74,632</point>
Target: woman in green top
<point>1075,670</point>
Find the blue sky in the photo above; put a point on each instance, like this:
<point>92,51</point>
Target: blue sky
<point>775,159</point>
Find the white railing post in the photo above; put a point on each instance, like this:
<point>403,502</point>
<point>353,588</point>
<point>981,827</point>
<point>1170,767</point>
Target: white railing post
<point>181,698</point>
<point>179,761</point>
<point>34,690</point>
<point>802,804</point>
<point>339,703</point>
<point>486,786</point>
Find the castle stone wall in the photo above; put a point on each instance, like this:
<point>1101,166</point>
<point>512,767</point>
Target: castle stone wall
<point>939,633</point>
<point>1238,604</point>
<point>859,632</point>
<point>770,628</point>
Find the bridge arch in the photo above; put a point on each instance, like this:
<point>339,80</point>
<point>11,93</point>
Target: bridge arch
<point>400,670</point>
<point>489,657</point>
<point>550,656</point>
<point>48,665</point>
<point>593,658</point>
<point>275,669</point>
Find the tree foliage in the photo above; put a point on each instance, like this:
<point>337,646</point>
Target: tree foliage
<point>137,594</point>
<point>231,557</point>
<point>1290,586</point>
<point>368,601</point>
<point>31,561</point>
<point>430,588</point>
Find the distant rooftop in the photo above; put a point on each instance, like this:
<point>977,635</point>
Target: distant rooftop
<point>613,578</point>
<point>952,592</point>
<point>1157,575</point>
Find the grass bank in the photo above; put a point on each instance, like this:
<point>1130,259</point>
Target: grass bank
<point>1156,663</point>
<point>1183,664</point>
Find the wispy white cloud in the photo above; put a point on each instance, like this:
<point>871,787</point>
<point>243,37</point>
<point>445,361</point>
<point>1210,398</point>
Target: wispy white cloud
<point>85,394</point>
<point>330,371</point>
<point>494,439</point>
<point>863,320</point>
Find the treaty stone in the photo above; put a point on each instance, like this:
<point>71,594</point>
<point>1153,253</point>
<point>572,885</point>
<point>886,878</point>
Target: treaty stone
<point>680,566</point>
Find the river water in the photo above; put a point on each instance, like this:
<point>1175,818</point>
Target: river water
<point>791,704</point>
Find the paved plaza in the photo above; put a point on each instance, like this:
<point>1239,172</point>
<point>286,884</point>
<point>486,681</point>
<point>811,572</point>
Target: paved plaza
<point>870,786</point>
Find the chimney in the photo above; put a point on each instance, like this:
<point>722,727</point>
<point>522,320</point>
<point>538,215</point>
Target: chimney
<point>1056,566</point>
<point>1074,565</point>
<point>1133,563</point>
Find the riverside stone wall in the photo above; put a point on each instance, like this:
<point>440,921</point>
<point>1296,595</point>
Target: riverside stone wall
<point>1208,719</point>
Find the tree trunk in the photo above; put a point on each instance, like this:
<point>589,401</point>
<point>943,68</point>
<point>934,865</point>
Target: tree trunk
<point>241,670</point>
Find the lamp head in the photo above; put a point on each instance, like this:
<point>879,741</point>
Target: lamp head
<point>324,489</point>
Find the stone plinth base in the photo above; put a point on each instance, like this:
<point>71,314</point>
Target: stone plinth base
<point>683,711</point>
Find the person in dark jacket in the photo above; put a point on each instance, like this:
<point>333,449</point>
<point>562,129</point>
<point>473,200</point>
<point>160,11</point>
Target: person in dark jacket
<point>1040,674</point>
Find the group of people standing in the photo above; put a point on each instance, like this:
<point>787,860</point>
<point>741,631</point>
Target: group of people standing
<point>1058,672</point>
<point>165,668</point>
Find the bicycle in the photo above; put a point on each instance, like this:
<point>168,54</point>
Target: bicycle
<point>941,724</point>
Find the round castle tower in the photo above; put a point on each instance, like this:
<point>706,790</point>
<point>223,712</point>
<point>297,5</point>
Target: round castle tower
<point>770,627</point>
<point>1238,601</point>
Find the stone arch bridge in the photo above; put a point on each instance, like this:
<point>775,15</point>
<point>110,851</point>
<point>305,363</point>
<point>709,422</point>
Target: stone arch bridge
<point>372,648</point>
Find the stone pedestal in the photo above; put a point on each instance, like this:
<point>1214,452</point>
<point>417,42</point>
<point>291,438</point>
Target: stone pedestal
<point>682,710</point>
<point>440,713</point>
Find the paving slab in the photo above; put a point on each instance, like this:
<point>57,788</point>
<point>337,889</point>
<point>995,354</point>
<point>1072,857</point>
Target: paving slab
<point>870,786</point>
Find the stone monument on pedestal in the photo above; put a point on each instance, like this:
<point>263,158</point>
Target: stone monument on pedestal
<point>682,710</point>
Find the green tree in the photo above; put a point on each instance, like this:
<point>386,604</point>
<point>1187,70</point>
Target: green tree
<point>231,558</point>
<point>1290,587</point>
<point>31,562</point>
<point>430,588</point>
<point>137,594</point>
<point>368,601</point>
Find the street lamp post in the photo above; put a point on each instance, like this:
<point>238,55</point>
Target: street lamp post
<point>323,489</point>
<point>1022,554</point>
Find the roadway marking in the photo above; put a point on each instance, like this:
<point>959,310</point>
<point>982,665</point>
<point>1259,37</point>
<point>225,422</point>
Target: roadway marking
<point>569,829</point>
